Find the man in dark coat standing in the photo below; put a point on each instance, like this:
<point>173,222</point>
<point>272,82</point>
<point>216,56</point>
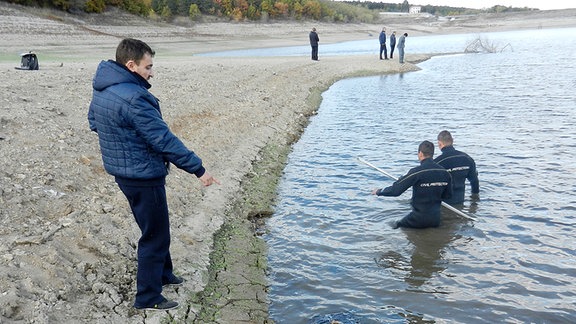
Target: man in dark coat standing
<point>382,40</point>
<point>392,44</point>
<point>314,43</point>
<point>430,184</point>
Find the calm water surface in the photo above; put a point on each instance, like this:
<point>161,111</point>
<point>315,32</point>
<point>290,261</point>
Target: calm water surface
<point>331,248</point>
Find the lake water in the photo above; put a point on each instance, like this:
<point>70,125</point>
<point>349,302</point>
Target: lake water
<point>332,251</point>
<point>414,44</point>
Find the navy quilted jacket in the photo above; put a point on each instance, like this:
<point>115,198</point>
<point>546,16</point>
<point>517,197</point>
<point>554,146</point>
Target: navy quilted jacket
<point>135,141</point>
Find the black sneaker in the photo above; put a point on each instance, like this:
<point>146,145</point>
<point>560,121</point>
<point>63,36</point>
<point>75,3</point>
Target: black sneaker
<point>175,281</point>
<point>165,305</point>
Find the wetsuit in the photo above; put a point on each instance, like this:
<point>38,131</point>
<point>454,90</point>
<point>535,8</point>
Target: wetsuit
<point>430,184</point>
<point>461,166</point>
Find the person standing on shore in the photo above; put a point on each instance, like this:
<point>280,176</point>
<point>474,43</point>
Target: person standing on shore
<point>137,147</point>
<point>430,184</point>
<point>382,40</point>
<point>392,44</point>
<point>401,44</point>
<point>460,166</point>
<point>314,43</point>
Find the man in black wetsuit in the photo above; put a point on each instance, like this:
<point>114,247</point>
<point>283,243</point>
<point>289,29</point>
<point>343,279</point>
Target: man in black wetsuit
<point>430,184</point>
<point>460,166</point>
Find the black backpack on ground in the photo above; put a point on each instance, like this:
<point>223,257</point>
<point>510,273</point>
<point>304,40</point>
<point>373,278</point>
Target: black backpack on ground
<point>29,61</point>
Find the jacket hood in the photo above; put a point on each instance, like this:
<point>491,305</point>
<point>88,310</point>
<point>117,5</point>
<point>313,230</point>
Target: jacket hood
<point>110,73</point>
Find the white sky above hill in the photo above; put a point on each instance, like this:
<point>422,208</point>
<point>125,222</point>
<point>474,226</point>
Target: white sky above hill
<point>479,4</point>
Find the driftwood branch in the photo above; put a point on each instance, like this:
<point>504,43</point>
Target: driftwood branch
<point>483,45</point>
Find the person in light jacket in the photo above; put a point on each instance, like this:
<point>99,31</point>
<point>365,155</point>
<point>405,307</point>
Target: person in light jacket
<point>401,44</point>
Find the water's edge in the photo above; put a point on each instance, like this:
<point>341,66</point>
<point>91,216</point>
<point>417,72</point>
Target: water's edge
<point>237,286</point>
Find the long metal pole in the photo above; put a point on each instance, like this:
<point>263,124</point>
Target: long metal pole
<point>457,211</point>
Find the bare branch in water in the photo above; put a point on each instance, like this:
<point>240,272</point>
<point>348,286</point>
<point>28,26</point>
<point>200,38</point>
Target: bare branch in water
<point>483,45</point>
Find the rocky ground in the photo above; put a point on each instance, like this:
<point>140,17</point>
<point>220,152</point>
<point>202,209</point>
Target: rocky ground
<point>67,235</point>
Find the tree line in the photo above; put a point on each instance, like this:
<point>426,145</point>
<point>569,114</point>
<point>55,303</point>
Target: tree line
<point>240,10</point>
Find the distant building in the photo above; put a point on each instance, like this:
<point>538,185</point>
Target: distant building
<point>414,9</point>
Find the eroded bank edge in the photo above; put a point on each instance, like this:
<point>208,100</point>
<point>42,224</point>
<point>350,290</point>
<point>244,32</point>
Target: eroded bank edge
<point>237,286</point>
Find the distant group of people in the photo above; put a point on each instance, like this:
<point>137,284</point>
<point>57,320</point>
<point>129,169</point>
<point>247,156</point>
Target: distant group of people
<point>314,40</point>
<point>401,44</point>
<point>434,181</point>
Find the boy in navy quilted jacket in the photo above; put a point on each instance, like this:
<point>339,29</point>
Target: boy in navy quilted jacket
<point>137,147</point>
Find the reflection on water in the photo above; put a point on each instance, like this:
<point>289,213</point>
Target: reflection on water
<point>425,259</point>
<point>332,251</point>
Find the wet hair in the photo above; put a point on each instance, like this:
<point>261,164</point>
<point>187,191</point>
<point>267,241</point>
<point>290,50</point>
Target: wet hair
<point>445,137</point>
<point>132,49</point>
<point>427,148</point>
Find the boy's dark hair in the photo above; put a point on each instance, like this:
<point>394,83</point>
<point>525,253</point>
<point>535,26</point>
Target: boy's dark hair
<point>427,148</point>
<point>132,49</point>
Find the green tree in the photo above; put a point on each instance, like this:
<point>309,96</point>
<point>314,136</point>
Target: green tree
<point>204,5</point>
<point>312,9</point>
<point>268,6</point>
<point>282,9</point>
<point>405,6</point>
<point>166,13</point>
<point>242,5</point>
<point>298,10</point>
<point>60,4</point>
<point>95,6</point>
<point>194,11</point>
<point>137,7</point>
<point>253,13</point>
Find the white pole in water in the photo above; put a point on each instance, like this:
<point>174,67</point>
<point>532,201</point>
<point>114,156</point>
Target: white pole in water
<point>459,212</point>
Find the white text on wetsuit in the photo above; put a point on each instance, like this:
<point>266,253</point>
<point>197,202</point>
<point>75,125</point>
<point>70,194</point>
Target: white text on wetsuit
<point>434,184</point>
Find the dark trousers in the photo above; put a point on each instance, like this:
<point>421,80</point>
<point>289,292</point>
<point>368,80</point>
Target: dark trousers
<point>421,220</point>
<point>383,49</point>
<point>392,51</point>
<point>150,209</point>
<point>315,52</point>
